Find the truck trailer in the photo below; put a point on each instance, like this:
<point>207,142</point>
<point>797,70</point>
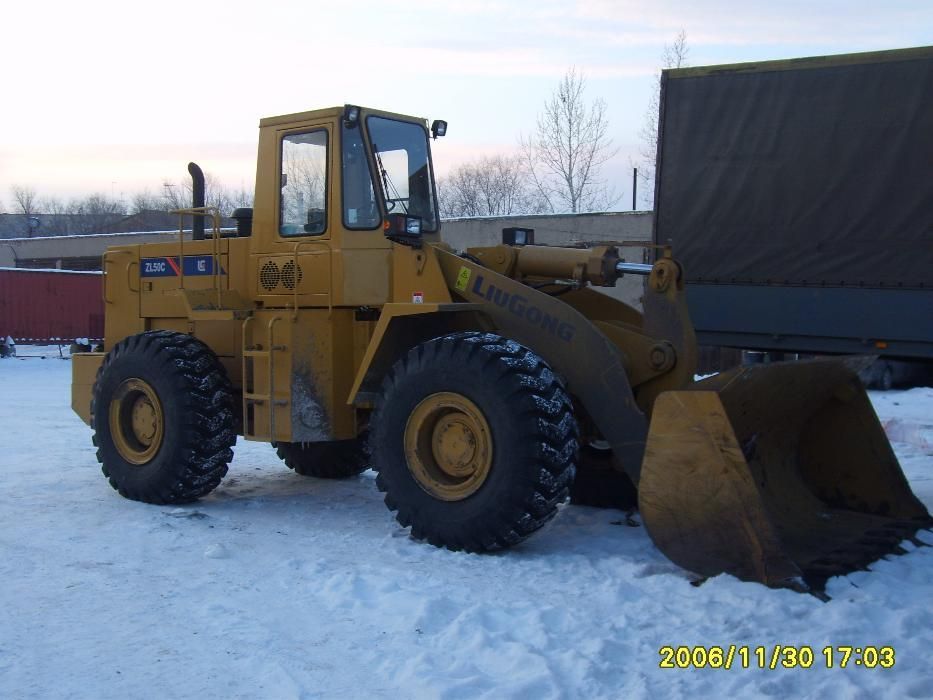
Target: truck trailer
<point>798,195</point>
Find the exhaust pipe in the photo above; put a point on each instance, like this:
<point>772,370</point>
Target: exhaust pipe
<point>197,196</point>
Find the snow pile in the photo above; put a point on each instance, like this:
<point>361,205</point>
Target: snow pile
<point>907,417</point>
<point>279,586</point>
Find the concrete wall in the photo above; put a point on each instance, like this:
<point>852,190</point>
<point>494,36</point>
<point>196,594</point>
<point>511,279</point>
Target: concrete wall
<point>7,255</point>
<point>561,229</point>
<point>552,229</point>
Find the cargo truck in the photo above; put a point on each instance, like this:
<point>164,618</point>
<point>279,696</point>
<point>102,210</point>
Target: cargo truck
<point>798,195</point>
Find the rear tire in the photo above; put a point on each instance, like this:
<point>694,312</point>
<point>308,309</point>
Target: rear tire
<point>337,459</point>
<point>162,418</point>
<point>474,442</point>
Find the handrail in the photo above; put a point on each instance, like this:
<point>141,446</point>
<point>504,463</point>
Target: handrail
<point>244,335</point>
<point>129,277</point>
<point>272,349</point>
<point>215,215</point>
<point>105,261</point>
<point>249,353</point>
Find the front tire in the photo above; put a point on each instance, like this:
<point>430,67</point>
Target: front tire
<point>474,442</point>
<point>162,418</point>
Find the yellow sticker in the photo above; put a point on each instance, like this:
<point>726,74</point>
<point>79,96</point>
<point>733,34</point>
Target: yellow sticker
<point>463,279</point>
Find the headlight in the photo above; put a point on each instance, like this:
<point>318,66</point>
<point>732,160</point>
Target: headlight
<point>403,228</point>
<point>351,115</point>
<point>518,236</point>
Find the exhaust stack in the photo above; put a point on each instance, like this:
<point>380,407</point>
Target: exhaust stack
<point>197,196</point>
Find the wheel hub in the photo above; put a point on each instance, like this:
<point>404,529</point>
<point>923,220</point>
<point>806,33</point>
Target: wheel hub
<point>454,445</point>
<point>136,421</point>
<point>144,420</point>
<point>448,445</point>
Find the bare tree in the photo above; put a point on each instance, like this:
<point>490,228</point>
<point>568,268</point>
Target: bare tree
<point>240,197</point>
<point>175,195</point>
<point>179,195</point>
<point>146,201</point>
<point>50,216</point>
<point>100,213</point>
<point>96,213</point>
<point>53,206</point>
<point>571,143</point>
<point>56,216</point>
<point>490,186</point>
<point>672,56</point>
<point>25,200</point>
<point>216,194</point>
<point>458,192</point>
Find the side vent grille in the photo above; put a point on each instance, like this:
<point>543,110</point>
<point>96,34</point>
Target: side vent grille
<point>289,276</point>
<point>280,280</point>
<point>269,276</point>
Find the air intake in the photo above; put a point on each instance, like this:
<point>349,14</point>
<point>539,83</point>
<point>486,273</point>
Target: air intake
<point>269,276</point>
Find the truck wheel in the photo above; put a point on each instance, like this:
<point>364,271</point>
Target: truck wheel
<point>474,442</point>
<point>599,484</point>
<point>886,378</point>
<point>337,459</point>
<point>162,418</point>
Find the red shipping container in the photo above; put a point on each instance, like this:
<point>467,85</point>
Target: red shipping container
<point>42,306</point>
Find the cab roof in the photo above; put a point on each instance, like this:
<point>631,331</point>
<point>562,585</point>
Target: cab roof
<point>327,112</point>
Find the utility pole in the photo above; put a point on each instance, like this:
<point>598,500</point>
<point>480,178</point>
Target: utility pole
<point>634,187</point>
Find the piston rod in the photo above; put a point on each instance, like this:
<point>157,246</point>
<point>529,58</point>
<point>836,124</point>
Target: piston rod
<point>627,268</point>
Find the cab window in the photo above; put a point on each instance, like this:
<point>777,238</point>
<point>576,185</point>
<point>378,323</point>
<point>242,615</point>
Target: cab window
<point>360,210</point>
<point>303,207</point>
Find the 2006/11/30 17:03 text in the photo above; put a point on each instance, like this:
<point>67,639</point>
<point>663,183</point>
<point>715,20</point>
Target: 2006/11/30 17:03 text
<point>776,656</point>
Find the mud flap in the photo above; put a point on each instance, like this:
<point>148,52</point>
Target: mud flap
<point>779,473</point>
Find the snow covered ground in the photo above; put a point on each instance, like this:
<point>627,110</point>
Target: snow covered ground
<point>279,586</point>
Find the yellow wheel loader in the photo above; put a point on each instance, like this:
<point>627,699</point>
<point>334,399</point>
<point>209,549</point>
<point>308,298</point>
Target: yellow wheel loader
<point>483,386</point>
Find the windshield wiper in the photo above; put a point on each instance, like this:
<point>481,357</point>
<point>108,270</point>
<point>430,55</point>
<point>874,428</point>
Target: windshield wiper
<point>391,192</point>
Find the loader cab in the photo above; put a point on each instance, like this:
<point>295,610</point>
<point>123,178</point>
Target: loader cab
<point>339,188</point>
<point>342,175</point>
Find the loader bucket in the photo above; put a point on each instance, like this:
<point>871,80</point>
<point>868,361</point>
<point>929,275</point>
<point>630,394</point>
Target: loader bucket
<point>777,473</point>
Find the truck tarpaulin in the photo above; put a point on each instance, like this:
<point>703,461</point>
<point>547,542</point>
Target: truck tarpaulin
<point>38,306</point>
<point>810,172</point>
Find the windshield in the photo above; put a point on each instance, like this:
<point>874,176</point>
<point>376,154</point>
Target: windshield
<point>400,150</point>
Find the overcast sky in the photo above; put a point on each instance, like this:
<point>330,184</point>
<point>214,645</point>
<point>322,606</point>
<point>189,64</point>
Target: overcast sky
<point>116,96</point>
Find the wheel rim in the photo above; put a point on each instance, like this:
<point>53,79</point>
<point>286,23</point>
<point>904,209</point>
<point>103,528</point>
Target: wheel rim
<point>448,446</point>
<point>136,421</point>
